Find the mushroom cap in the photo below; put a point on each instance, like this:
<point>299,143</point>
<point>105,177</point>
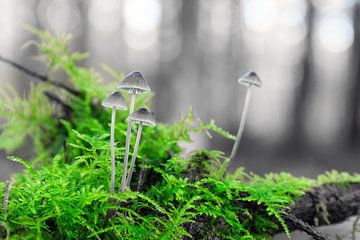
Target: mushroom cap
<point>134,83</point>
<point>116,100</point>
<point>250,78</point>
<point>143,116</point>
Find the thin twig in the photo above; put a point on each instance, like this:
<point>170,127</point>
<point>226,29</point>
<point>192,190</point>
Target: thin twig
<point>7,195</point>
<point>40,77</point>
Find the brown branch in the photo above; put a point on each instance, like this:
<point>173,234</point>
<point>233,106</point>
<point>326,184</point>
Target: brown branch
<point>42,78</point>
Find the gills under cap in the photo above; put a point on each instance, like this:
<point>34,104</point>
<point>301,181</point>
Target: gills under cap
<point>134,83</point>
<point>250,78</point>
<point>116,100</point>
<point>143,116</point>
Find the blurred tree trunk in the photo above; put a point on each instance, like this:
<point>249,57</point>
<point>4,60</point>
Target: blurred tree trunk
<point>233,68</point>
<point>304,89</point>
<point>234,61</point>
<point>81,42</point>
<point>167,68</point>
<point>354,100</point>
<point>188,59</point>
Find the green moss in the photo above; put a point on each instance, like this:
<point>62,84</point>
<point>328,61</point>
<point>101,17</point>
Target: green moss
<point>64,192</point>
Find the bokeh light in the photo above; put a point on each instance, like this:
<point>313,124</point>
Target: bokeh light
<point>104,15</point>
<point>292,13</point>
<point>142,15</point>
<point>260,15</point>
<point>142,20</point>
<point>63,15</point>
<point>135,40</point>
<point>334,32</point>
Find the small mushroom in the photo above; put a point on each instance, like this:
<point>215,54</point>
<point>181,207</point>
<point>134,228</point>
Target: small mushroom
<point>115,101</point>
<point>250,79</point>
<point>135,84</point>
<point>144,118</point>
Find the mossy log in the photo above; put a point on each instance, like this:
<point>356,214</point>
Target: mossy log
<point>325,205</point>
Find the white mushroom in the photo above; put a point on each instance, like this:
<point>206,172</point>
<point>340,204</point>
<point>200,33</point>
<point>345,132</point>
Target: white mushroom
<point>250,79</point>
<point>115,101</point>
<point>135,84</point>
<point>144,118</point>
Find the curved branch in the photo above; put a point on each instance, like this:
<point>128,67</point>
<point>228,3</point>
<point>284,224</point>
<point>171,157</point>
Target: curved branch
<point>305,227</point>
<point>42,78</point>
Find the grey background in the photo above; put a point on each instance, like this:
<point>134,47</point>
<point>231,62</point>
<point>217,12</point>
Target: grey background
<point>305,119</point>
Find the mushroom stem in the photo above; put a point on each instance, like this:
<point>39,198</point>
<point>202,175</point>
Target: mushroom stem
<point>133,158</point>
<point>127,144</point>
<point>242,123</point>
<point>126,157</point>
<point>112,150</point>
<point>132,103</point>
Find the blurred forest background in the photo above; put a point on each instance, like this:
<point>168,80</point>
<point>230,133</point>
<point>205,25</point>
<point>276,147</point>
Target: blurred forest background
<point>305,119</point>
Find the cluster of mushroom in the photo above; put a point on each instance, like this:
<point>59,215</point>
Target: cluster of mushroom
<point>134,83</point>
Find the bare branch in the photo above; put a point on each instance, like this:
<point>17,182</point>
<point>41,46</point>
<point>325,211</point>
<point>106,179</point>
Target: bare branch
<point>42,78</point>
<point>305,227</point>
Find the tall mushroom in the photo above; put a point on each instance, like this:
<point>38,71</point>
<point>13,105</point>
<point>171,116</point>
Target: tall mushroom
<point>144,118</point>
<point>135,84</point>
<point>115,101</point>
<point>250,79</point>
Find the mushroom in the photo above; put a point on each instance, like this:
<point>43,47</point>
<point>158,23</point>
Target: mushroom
<point>250,79</point>
<point>135,84</point>
<point>115,101</point>
<point>144,118</point>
